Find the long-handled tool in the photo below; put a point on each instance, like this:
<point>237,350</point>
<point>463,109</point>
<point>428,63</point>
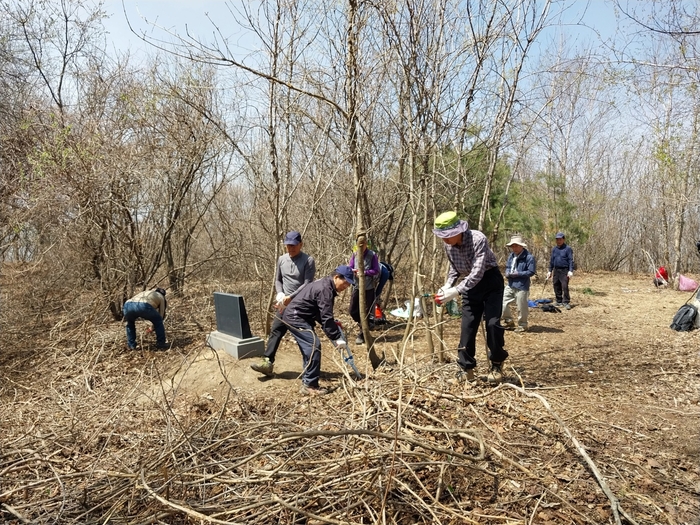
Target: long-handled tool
<point>544,285</point>
<point>348,358</point>
<point>438,322</point>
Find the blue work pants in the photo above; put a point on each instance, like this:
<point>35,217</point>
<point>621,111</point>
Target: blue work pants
<point>134,310</point>
<point>310,347</point>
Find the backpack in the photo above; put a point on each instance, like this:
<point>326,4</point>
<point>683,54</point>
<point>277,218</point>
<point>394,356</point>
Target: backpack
<point>550,308</point>
<point>389,268</point>
<point>684,320</point>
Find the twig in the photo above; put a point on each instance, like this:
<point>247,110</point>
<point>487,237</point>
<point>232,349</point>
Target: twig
<point>16,514</point>
<point>180,508</point>
<point>614,502</point>
<point>534,511</point>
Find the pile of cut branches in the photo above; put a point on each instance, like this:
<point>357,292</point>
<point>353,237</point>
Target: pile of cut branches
<point>406,446</point>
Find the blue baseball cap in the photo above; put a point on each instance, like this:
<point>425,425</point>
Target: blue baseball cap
<point>346,273</point>
<point>292,238</point>
<point>560,235</point>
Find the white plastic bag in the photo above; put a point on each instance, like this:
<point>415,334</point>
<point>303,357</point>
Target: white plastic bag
<point>403,312</point>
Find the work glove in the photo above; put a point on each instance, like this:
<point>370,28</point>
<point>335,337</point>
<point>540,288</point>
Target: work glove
<point>570,275</point>
<point>549,275</point>
<point>445,295</point>
<point>280,301</point>
<point>340,343</point>
<point>443,288</point>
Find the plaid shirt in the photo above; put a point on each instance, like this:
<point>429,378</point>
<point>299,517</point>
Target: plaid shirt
<point>471,258</point>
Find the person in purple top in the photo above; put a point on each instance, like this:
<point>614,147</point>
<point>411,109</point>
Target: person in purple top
<point>473,275</point>
<point>561,269</point>
<point>371,266</point>
<point>314,304</point>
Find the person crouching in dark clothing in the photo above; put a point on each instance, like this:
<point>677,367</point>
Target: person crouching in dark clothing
<point>314,304</point>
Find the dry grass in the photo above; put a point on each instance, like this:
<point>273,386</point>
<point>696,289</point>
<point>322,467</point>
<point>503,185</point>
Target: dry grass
<point>599,426</point>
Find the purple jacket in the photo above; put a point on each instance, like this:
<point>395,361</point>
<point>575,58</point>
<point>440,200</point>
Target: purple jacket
<point>371,267</point>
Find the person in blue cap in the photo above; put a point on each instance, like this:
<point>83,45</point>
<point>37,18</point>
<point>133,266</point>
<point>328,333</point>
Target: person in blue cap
<point>295,269</point>
<point>314,304</point>
<point>561,269</point>
<point>475,277</point>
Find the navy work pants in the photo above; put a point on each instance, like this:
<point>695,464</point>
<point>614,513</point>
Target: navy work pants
<point>310,347</point>
<point>560,281</point>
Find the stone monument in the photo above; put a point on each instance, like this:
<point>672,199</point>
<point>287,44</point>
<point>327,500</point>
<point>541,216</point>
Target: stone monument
<point>232,332</point>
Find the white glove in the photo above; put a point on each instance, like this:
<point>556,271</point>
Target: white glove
<point>340,343</point>
<point>445,295</point>
<point>570,274</point>
<point>442,289</point>
<point>280,298</point>
<point>549,275</point>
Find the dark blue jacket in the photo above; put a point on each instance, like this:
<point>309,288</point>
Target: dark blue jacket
<point>562,257</point>
<point>525,267</point>
<point>314,304</point>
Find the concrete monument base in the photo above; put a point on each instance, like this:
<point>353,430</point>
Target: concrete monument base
<point>238,348</point>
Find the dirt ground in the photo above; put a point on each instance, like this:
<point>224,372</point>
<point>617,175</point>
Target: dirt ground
<point>598,421</point>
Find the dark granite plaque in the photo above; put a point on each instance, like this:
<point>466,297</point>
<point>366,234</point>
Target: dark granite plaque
<point>231,317</point>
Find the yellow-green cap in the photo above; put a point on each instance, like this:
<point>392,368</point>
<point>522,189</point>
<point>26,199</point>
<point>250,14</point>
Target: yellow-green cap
<point>448,225</point>
<point>446,220</point>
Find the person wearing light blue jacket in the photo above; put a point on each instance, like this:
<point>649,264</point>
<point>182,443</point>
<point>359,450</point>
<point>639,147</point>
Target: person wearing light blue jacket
<point>520,267</point>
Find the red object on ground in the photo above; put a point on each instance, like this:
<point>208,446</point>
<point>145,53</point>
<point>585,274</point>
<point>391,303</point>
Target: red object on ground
<point>661,273</point>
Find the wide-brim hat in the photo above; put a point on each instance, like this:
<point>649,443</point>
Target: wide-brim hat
<point>448,224</point>
<point>517,239</point>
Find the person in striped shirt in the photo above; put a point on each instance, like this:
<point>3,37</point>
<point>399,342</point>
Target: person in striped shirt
<point>474,275</point>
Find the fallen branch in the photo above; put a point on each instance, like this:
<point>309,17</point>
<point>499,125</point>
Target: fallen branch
<point>614,502</point>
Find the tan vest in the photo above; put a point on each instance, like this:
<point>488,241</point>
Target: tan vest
<point>151,297</point>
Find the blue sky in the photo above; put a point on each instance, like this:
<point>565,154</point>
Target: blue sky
<point>181,15</point>
<point>174,15</point>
